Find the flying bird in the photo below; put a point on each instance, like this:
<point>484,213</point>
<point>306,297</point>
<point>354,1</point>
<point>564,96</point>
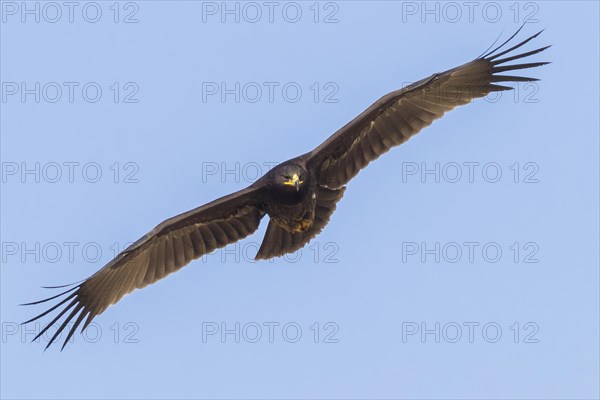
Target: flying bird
<point>298,195</point>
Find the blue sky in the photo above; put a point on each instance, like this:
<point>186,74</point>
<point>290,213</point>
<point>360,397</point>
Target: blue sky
<point>463,264</point>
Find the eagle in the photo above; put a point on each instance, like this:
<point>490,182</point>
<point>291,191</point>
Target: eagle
<point>299,195</point>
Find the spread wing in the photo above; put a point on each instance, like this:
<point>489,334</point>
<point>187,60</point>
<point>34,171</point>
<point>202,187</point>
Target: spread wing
<point>168,247</point>
<point>396,117</point>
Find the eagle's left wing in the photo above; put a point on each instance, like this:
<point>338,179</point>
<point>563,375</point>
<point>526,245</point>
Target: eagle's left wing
<point>167,248</point>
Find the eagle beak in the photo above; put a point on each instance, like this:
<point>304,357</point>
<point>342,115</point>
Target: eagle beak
<point>295,182</point>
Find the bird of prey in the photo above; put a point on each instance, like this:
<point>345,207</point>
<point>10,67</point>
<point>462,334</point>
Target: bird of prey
<point>298,195</point>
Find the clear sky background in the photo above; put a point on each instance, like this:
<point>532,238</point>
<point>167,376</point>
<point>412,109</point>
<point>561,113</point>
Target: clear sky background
<point>464,284</point>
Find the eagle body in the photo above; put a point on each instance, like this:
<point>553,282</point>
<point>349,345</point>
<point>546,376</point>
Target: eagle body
<point>290,208</point>
<point>299,196</point>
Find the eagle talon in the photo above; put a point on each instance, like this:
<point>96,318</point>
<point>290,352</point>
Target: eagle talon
<point>302,226</point>
<point>306,223</point>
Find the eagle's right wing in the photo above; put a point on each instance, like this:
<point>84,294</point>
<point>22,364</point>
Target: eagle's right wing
<point>401,114</point>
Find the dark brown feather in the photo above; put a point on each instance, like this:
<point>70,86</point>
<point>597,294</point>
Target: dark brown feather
<point>278,241</point>
<point>397,116</point>
<point>167,248</point>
